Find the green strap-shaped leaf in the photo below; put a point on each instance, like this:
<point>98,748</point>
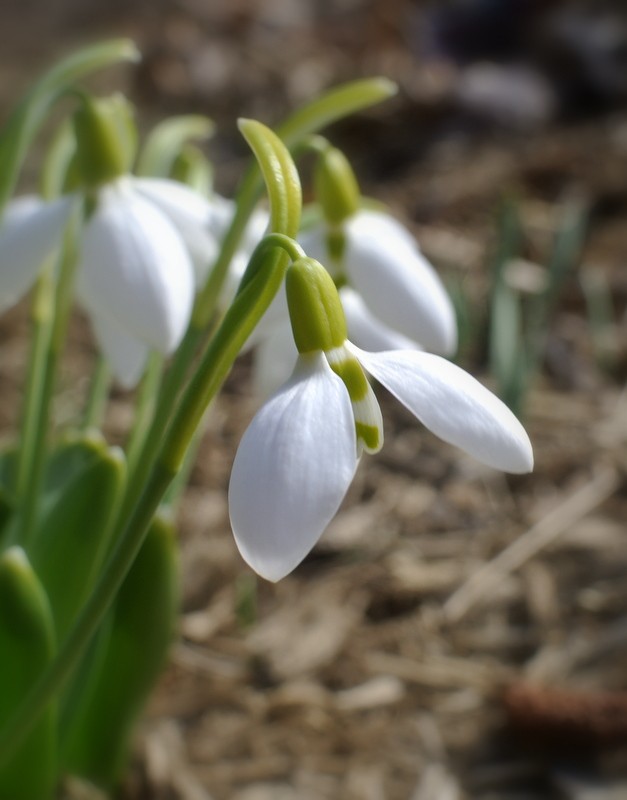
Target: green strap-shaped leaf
<point>84,481</point>
<point>139,632</point>
<point>26,648</point>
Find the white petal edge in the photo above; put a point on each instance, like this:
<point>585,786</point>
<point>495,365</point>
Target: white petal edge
<point>30,231</point>
<point>126,355</point>
<point>292,469</point>
<point>454,406</point>
<point>398,284</point>
<point>134,268</point>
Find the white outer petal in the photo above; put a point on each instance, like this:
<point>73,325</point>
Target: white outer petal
<point>126,355</point>
<point>275,358</point>
<point>368,332</point>
<point>292,469</point>
<point>397,283</point>
<point>453,405</point>
<point>30,231</point>
<point>134,268</point>
<point>191,214</point>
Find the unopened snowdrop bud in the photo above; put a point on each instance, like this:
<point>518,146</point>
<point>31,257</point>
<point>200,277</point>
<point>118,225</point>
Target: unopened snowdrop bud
<point>336,186</point>
<point>106,139</point>
<point>316,312</point>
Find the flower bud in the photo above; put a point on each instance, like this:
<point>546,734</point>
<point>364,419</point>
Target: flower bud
<point>316,312</point>
<point>106,139</point>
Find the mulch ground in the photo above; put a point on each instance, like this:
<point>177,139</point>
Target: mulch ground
<point>457,634</point>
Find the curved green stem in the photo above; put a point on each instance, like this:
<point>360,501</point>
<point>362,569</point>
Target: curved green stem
<point>32,429</point>
<point>26,120</point>
<point>144,410</point>
<point>98,394</point>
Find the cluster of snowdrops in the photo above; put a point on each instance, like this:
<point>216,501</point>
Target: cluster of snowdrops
<point>176,281</point>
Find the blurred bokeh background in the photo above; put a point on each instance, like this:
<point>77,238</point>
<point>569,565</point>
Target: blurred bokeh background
<point>457,634</point>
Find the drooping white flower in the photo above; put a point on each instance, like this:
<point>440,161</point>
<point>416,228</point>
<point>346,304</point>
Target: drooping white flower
<point>135,271</point>
<point>298,457</point>
<point>381,261</point>
<point>144,249</point>
<point>392,297</point>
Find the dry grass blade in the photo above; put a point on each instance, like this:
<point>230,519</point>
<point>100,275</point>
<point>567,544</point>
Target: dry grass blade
<point>577,505</point>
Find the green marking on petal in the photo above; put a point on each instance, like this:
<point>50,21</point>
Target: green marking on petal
<point>350,371</point>
<point>366,411</point>
<point>369,436</point>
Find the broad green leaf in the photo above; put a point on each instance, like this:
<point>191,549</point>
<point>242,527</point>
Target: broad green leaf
<point>84,481</point>
<point>26,648</point>
<point>141,628</point>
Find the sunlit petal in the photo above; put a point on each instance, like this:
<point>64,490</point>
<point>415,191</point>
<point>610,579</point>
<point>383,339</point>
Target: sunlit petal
<point>368,332</point>
<point>453,405</point>
<point>398,284</point>
<point>126,355</point>
<point>292,469</point>
<point>191,214</point>
<point>135,269</point>
<point>30,231</point>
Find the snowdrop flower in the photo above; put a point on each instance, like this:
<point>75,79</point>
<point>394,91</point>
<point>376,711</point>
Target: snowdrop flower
<point>135,273</point>
<point>382,263</point>
<point>370,251</point>
<point>146,245</point>
<point>392,297</point>
<point>299,455</point>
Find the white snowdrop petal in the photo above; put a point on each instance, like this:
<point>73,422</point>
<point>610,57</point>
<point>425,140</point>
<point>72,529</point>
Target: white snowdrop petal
<point>292,469</point>
<point>191,214</point>
<point>275,359</point>
<point>368,332</point>
<point>453,405</point>
<point>134,269</point>
<point>126,355</point>
<point>314,242</point>
<point>398,284</point>
<point>30,231</point>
